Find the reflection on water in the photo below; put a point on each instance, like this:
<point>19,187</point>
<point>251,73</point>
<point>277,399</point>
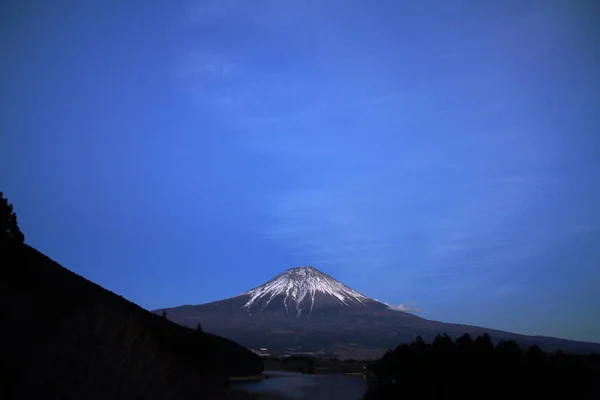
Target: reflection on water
<point>292,385</point>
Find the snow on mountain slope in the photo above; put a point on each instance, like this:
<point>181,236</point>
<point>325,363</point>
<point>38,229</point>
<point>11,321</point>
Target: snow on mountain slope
<point>298,287</point>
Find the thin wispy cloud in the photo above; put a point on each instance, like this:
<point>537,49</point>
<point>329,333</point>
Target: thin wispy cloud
<point>404,308</point>
<point>207,10</point>
<point>201,65</point>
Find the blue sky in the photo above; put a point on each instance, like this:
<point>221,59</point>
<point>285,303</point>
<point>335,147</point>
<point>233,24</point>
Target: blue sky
<point>439,155</point>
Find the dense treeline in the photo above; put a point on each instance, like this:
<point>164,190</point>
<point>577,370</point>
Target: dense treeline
<point>313,365</point>
<point>477,367</point>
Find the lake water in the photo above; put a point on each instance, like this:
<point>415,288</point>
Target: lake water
<point>293,385</point>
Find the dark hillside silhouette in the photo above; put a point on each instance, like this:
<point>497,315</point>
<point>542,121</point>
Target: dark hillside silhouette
<point>478,368</point>
<point>65,337</point>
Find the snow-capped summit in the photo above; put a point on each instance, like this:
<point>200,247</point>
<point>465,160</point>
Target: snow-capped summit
<point>299,289</point>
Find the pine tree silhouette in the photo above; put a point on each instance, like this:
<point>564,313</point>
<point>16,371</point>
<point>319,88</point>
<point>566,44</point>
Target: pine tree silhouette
<point>443,343</point>
<point>465,342</point>
<point>9,229</point>
<point>419,343</point>
<point>484,343</point>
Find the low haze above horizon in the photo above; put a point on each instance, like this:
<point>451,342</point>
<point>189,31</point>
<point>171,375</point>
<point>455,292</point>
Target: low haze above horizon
<point>435,155</point>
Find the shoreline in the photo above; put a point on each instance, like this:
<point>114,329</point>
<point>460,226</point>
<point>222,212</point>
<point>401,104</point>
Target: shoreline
<point>248,378</point>
<point>236,394</point>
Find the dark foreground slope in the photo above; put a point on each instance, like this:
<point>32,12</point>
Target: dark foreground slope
<point>65,337</point>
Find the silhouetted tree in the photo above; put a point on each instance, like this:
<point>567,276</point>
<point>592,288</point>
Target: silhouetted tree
<point>484,343</point>
<point>419,344</point>
<point>535,353</point>
<point>9,229</point>
<point>509,348</point>
<point>199,328</point>
<point>465,342</point>
<point>443,343</point>
<point>164,314</point>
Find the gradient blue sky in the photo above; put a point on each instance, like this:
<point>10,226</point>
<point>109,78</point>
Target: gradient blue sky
<point>440,155</point>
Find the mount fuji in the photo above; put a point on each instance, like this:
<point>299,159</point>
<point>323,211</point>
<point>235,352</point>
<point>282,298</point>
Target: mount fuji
<point>302,290</point>
<point>306,310</point>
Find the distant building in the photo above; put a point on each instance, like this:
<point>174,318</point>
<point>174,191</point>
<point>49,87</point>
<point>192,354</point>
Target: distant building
<point>261,352</point>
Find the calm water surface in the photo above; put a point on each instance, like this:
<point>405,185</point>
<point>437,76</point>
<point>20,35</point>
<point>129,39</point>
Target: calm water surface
<point>293,385</point>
